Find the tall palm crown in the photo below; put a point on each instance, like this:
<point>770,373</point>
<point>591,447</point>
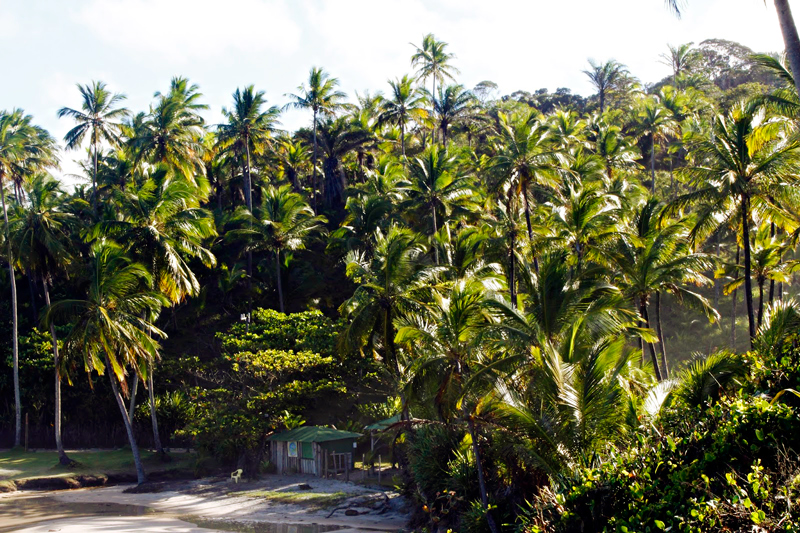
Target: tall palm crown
<point>657,123</point>
<point>604,77</point>
<point>172,132</point>
<point>99,117</point>
<point>321,97</point>
<point>404,104</point>
<point>249,130</point>
<point>284,222</point>
<point>433,61</point>
<point>450,105</point>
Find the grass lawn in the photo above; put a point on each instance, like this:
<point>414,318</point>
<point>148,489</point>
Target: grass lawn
<point>18,464</point>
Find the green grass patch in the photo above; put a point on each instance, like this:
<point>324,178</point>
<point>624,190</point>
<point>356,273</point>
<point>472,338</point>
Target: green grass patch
<point>316,500</point>
<point>18,464</point>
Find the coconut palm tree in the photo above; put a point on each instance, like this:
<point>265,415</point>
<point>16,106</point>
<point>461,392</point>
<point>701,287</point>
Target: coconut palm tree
<point>392,281</point>
<point>403,106</point>
<point>24,148</point>
<point>100,118</point>
<point>433,61</point>
<point>322,98</point>
<point>616,150</point>
<point>657,124</point>
<point>437,183</point>
<point>40,231</point>
<point>680,59</point>
<point>112,327</point>
<point>249,130</point>
<point>162,227</point>
<point>736,169</point>
<point>605,77</point>
<point>450,105</point>
<point>284,222</point>
<point>449,338</point>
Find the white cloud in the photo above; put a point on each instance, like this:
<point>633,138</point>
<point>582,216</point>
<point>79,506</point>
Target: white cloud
<point>199,30</point>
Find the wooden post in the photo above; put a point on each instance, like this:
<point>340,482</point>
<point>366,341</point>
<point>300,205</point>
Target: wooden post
<point>379,469</point>
<point>348,462</point>
<point>363,467</point>
<point>325,462</point>
<point>26,432</point>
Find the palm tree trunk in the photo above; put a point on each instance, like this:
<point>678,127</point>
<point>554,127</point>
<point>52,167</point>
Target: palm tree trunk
<point>132,399</point>
<point>664,366</point>
<point>137,458</point>
<point>653,357</point>
<point>14,324</point>
<point>248,186</point>
<point>278,277</point>
<point>94,175</point>
<point>433,107</point>
<point>772,281</point>
<point>530,227</point>
<point>34,307</point>
<point>62,455</point>
<point>388,340</point>
<point>748,282</point>
<point>761,281</point>
<point>733,299</point>
<point>314,166</point>
<point>435,232</point>
<point>153,418</point>
<point>790,37</point>
<point>512,282</point>
<point>653,163</point>
<point>403,140</point>
<point>481,482</point>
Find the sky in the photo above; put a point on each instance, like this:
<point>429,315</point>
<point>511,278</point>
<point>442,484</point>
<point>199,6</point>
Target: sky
<point>137,46</point>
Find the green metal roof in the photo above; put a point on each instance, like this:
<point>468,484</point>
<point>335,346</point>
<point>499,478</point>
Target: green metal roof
<point>383,424</point>
<point>313,434</point>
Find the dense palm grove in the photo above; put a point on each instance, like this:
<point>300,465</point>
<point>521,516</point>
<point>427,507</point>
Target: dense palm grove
<point>550,290</point>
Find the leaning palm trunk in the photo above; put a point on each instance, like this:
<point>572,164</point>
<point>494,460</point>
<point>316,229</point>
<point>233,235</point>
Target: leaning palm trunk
<point>662,346</point>
<point>435,232</point>
<point>153,418</point>
<point>15,326</point>
<point>653,356</point>
<point>132,401</point>
<point>790,36</point>
<point>62,455</point>
<point>137,458</point>
<point>481,482</point>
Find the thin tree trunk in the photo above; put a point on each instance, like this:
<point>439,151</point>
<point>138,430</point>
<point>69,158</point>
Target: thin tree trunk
<point>248,184</point>
<point>512,282</point>
<point>734,294</point>
<point>481,482</point>
<point>153,418</point>
<point>435,232</point>
<point>62,455</point>
<point>772,281</point>
<point>137,458</point>
<point>94,175</point>
<point>14,325</point>
<point>388,340</point>
<point>132,399</point>
<point>278,277</point>
<point>34,307</point>
<point>403,140</point>
<point>530,227</point>
<point>760,300</point>
<point>314,166</point>
<point>653,357</point>
<point>790,37</point>
<point>664,366</point>
<point>748,282</point>
<point>653,163</point>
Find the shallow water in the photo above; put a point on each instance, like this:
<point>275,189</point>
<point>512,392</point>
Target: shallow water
<point>17,513</point>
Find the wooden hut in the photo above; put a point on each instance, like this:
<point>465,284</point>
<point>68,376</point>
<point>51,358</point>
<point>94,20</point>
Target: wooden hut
<point>312,450</point>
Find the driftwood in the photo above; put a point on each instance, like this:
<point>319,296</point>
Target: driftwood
<point>349,511</point>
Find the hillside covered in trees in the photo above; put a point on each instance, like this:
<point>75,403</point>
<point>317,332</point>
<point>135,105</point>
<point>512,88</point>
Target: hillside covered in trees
<point>581,308</point>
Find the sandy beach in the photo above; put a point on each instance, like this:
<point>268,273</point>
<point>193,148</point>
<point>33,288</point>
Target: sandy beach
<point>211,504</point>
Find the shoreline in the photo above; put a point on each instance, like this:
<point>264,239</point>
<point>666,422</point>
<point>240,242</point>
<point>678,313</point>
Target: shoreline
<point>195,506</point>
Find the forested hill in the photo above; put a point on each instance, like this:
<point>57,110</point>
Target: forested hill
<point>532,278</point>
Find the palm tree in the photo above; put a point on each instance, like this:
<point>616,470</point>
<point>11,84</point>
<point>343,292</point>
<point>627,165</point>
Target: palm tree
<point>450,339</point>
<point>525,156</point>
<point>391,282</point>
<point>656,259</point>
<point>657,123</point>
<point>172,132</point>
<point>112,327</point>
<point>615,149</point>
<point>788,29</point>
<point>322,98</point>
<point>99,117</point>
<point>738,168</point>
<point>605,77</point>
<point>451,105</point>
<point>432,60</point>
<point>680,59</point>
<point>23,148</point>
<point>284,222</point>
<point>40,231</point>
<point>249,130</point>
<point>404,105</point>
<point>162,226</point>
<point>437,183</point>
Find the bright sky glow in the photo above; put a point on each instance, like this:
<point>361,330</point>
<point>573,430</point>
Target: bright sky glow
<point>136,46</point>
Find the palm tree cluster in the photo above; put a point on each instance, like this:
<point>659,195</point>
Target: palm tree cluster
<point>508,267</point>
